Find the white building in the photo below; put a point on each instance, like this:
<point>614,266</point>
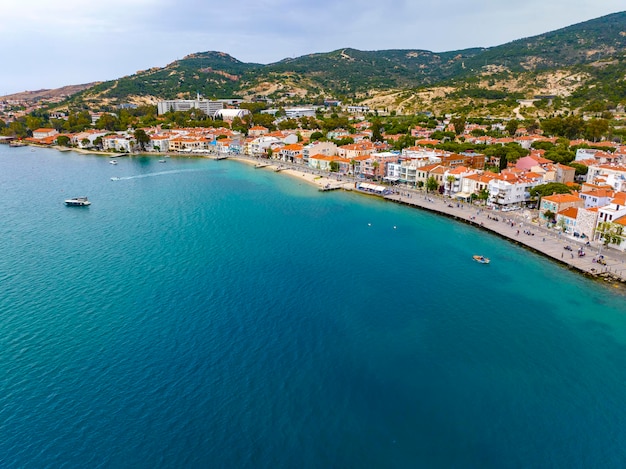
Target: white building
<point>207,106</point>
<point>230,114</point>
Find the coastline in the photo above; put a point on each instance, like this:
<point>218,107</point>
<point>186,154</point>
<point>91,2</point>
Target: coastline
<point>516,227</point>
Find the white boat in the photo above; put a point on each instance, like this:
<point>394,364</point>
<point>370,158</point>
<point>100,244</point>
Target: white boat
<point>112,162</point>
<point>481,259</point>
<point>77,202</point>
<point>161,161</point>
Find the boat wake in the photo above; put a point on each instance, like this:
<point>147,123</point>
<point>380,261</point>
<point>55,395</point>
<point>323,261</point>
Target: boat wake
<point>159,173</point>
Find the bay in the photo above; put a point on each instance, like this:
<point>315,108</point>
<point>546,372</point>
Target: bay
<point>203,313</point>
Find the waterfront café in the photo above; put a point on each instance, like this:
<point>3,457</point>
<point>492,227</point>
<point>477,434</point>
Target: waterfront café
<point>372,188</point>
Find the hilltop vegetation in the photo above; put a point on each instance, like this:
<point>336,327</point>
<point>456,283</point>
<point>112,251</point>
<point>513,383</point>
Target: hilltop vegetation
<point>583,66</point>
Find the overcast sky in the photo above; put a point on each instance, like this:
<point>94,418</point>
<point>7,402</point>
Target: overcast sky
<point>49,44</point>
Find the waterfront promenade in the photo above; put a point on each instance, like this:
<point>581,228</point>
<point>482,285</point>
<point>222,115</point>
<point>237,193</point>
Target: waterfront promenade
<point>516,226</point>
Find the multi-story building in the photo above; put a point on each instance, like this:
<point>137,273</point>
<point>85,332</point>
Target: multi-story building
<point>207,106</point>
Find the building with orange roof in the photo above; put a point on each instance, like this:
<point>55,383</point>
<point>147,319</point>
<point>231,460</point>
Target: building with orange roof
<point>566,219</point>
<point>323,163</point>
<point>257,131</point>
<point>596,196</point>
<point>44,132</point>
<point>511,188</point>
<point>290,152</point>
<point>611,222</point>
<point>558,202</point>
<point>354,150</point>
<point>322,148</point>
<point>611,174</point>
<point>453,178</point>
<point>475,183</point>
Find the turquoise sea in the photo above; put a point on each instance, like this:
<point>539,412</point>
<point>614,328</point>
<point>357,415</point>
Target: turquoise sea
<point>203,313</point>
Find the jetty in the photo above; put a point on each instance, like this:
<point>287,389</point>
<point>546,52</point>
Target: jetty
<point>261,165</point>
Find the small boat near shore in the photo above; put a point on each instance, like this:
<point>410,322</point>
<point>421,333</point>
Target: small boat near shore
<point>112,162</point>
<point>77,202</point>
<point>481,259</point>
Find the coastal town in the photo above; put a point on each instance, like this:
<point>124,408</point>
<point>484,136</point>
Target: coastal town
<point>587,219</point>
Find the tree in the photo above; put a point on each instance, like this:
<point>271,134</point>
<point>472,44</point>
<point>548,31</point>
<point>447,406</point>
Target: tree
<point>581,169</point>
<point>550,188</point>
<point>596,128</point>
<point>450,180</point>
<point>34,123</point>
<point>376,131</point>
<point>142,138</point>
<point>610,233</point>
<point>334,166</point>
<point>431,184</point>
<point>63,140</point>
<point>459,124</point>
<point>549,215</point>
<point>239,125</point>
<point>315,136</point>
<point>483,195</point>
<point>511,126</point>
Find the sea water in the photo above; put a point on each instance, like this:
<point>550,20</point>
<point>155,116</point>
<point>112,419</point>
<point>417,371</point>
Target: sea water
<point>205,313</point>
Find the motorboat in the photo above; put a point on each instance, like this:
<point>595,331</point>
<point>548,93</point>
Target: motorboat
<point>481,259</point>
<point>112,162</point>
<point>77,202</point>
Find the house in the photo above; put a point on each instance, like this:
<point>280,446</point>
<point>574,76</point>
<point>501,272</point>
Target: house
<point>376,165</point>
<point>117,142</point>
<point>257,131</point>
<point>44,132</point>
<point>566,219</point>
<point>475,183</point>
<point>321,148</point>
<point>512,188</point>
<point>354,150</point>
<point>558,202</point>
<point>611,174</point>
<point>453,179</point>
<point>291,153</point>
<point>323,163</point>
<point>611,223</point>
<point>596,196</point>
<point>86,139</point>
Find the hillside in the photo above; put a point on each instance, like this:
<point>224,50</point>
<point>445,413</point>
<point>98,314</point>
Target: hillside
<point>581,64</point>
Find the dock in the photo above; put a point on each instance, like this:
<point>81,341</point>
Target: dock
<point>261,165</point>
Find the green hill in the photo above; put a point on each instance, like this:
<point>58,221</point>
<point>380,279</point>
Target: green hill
<point>584,62</point>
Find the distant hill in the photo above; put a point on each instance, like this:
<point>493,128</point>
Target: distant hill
<point>46,95</point>
<point>582,63</point>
